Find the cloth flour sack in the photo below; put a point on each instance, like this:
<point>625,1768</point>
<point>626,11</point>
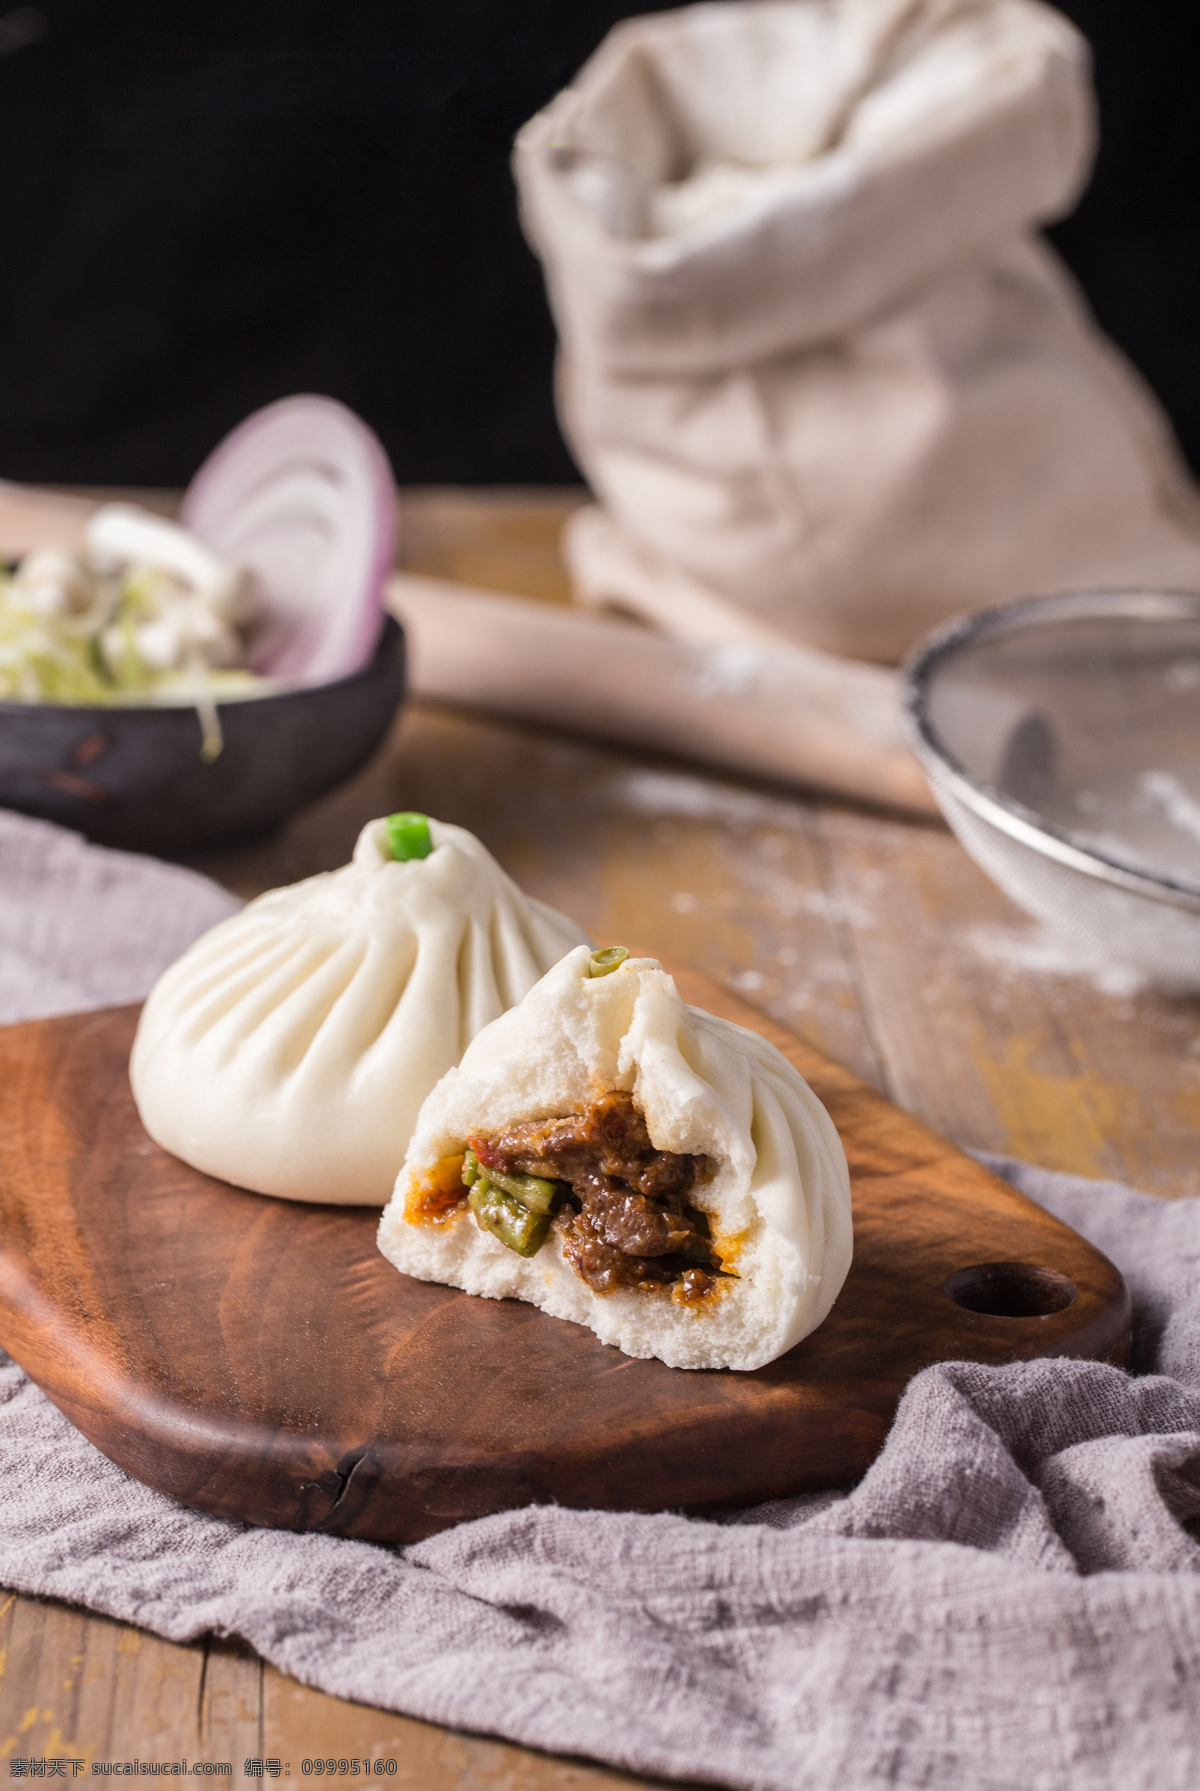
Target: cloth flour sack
<point>824,379</point>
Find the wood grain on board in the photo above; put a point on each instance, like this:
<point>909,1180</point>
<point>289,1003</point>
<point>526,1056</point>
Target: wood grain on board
<point>260,1359</point>
<point>873,938</point>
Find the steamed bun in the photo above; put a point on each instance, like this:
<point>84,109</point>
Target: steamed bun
<point>703,1199</point>
<point>290,1048</point>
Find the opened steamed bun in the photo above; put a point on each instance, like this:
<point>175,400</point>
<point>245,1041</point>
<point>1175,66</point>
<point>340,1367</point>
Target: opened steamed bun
<point>699,1191</point>
<point>290,1048</point>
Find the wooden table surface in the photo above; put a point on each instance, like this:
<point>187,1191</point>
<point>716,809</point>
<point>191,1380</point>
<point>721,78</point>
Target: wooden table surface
<point>875,937</point>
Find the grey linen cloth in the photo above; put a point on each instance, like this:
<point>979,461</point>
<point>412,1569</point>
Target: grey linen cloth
<point>1010,1598</point>
<point>81,928</point>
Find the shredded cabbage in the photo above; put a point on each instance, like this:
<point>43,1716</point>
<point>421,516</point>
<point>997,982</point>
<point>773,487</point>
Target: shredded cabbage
<point>144,614</point>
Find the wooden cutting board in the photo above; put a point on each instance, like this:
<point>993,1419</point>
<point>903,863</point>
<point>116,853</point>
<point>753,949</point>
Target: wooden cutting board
<point>260,1359</point>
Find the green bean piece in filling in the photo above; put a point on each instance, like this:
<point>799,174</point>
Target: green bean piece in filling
<point>610,958</point>
<point>533,1191</point>
<point>507,1219</point>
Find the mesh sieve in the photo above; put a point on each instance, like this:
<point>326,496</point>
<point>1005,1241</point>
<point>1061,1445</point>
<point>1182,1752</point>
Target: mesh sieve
<point>1061,736</point>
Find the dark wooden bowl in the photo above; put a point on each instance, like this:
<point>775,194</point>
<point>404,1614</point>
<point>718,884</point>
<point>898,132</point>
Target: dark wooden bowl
<point>134,777</point>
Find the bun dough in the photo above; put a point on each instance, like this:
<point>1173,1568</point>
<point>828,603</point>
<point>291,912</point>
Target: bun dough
<point>778,1199</point>
<point>289,1050</point>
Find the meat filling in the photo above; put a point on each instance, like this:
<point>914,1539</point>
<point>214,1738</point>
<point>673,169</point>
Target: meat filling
<point>627,1220</point>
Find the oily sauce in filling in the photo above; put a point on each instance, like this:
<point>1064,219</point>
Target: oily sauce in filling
<point>627,1220</point>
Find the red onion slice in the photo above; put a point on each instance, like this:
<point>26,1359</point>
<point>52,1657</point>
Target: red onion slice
<point>302,494</point>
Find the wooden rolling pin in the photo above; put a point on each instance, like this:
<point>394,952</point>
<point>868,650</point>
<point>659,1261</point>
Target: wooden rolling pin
<point>786,713</point>
<point>782,712</point>
<point>32,518</point>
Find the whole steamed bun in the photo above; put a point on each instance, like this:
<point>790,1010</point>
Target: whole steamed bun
<point>290,1049</point>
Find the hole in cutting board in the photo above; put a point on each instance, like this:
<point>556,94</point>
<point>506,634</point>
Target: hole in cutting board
<point>1010,1290</point>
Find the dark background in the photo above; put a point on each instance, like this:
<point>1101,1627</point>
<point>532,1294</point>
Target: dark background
<point>206,207</point>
